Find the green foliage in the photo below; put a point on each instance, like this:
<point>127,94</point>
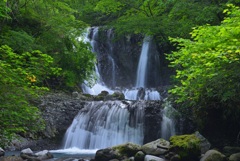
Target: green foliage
<point>207,73</point>
<point>210,62</point>
<point>187,146</point>
<point>20,82</point>
<point>153,17</point>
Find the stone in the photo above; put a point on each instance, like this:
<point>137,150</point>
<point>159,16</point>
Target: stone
<point>119,152</point>
<point>204,143</point>
<point>75,94</point>
<point>213,155</point>
<point>175,157</point>
<point>157,147</point>
<point>43,155</point>
<point>2,152</point>
<point>229,150</point>
<point>235,157</point>
<point>152,158</point>
<point>27,151</point>
<point>139,156</point>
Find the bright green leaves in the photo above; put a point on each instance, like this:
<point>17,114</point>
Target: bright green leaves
<point>21,77</point>
<point>208,66</point>
<point>108,6</point>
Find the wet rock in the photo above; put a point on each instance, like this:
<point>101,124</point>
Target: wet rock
<point>152,158</point>
<point>139,156</point>
<point>235,157</point>
<point>43,155</point>
<point>157,147</point>
<point>27,151</point>
<point>119,152</point>
<point>213,155</point>
<point>2,152</point>
<point>175,157</point>
<point>229,150</point>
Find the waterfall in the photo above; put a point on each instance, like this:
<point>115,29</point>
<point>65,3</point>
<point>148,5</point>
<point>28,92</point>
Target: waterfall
<point>130,94</point>
<point>105,124</point>
<point>167,125</point>
<point>99,86</point>
<point>143,61</point>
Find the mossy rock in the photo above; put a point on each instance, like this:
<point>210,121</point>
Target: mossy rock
<point>128,149</point>
<point>119,152</point>
<point>186,146</point>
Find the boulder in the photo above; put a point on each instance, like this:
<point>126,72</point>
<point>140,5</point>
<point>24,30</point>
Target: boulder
<point>27,151</point>
<point>157,147</point>
<point>2,152</point>
<point>213,155</point>
<point>139,156</point>
<point>119,152</point>
<point>43,155</point>
<point>235,157</point>
<point>152,158</point>
<point>115,96</point>
<point>229,150</point>
<point>186,146</point>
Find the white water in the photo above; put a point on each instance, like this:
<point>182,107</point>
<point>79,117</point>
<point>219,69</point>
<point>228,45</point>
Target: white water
<point>75,150</point>
<point>167,125</point>
<point>149,94</point>
<point>105,124</point>
<point>143,61</point>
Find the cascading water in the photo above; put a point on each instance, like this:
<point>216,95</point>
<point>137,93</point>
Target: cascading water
<point>104,124</point>
<point>167,125</point>
<point>142,65</point>
<point>140,92</point>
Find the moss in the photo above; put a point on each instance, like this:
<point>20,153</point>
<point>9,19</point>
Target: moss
<point>187,146</point>
<point>128,149</point>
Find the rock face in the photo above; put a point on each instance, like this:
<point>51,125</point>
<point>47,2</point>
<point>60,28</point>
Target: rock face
<point>118,59</point>
<point>58,111</point>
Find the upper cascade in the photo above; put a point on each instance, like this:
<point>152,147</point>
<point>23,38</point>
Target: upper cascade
<point>117,68</point>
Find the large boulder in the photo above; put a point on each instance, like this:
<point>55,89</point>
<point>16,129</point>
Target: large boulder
<point>235,157</point>
<point>213,155</point>
<point>157,147</point>
<point>120,152</point>
<point>186,146</point>
<point>28,154</point>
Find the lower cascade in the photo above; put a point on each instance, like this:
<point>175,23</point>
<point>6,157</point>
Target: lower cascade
<point>104,124</point>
